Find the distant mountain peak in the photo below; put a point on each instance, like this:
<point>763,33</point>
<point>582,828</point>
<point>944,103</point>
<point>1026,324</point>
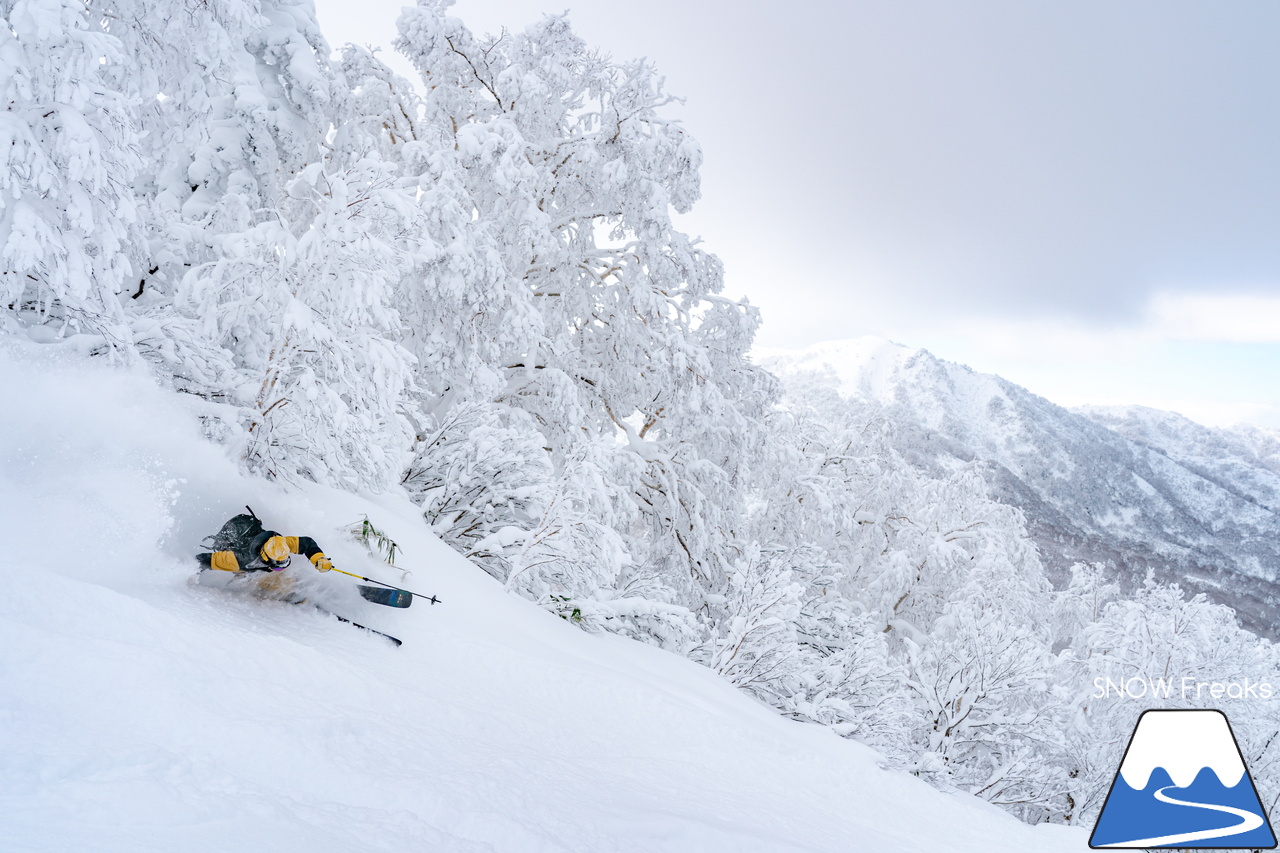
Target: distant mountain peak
<point>1132,486</point>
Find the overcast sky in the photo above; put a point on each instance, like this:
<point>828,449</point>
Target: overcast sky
<point>1083,197</point>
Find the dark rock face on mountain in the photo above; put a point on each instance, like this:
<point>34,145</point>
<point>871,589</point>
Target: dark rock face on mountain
<point>1138,488</point>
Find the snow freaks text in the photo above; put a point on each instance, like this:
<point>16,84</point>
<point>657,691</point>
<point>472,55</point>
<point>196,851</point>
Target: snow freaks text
<point>1145,687</point>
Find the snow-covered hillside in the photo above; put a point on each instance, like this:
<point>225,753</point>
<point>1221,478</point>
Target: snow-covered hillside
<point>141,713</point>
<point>1141,489</point>
<point>1243,459</point>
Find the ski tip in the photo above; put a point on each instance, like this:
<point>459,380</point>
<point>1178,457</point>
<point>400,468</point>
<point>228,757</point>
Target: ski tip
<point>395,641</point>
<point>364,628</point>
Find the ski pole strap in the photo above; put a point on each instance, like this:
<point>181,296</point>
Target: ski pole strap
<point>432,599</point>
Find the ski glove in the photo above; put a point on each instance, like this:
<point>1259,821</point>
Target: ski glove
<point>321,562</point>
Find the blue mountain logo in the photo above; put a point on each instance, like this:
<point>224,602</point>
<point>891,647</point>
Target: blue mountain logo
<point>1183,783</point>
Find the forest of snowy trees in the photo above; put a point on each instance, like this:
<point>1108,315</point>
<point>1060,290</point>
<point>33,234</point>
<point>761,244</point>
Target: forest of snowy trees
<point>469,286</point>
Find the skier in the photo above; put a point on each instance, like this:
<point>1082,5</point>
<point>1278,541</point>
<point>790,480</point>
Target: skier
<point>244,545</point>
<point>246,553</point>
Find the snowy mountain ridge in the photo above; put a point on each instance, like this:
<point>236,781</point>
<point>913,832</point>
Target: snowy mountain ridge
<point>1243,458</point>
<point>1135,487</point>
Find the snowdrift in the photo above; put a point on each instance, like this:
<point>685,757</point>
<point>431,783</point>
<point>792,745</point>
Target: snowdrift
<point>141,713</point>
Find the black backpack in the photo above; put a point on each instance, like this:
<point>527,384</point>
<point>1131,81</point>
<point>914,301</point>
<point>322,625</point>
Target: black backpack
<point>237,533</point>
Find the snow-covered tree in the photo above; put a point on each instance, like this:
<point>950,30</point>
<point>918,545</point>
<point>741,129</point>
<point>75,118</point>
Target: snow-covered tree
<point>550,174</point>
<point>68,217</point>
<point>304,303</point>
<point>965,671</point>
<point>985,687</point>
<point>757,648</point>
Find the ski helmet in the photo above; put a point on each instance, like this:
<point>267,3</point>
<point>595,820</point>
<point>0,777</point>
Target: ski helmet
<point>275,551</point>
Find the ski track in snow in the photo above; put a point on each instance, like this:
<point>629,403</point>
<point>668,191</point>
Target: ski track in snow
<point>1248,822</point>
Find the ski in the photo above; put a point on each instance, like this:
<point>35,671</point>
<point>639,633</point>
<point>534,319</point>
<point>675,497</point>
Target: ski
<point>297,599</point>
<point>394,640</point>
<point>388,597</point>
<point>407,592</point>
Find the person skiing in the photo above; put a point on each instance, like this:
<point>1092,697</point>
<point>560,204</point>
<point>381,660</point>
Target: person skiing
<point>246,554</point>
<point>244,545</point>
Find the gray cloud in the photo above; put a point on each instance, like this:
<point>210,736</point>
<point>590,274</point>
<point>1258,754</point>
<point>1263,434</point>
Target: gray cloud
<point>984,158</point>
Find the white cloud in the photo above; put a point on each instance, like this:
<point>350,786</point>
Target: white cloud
<point>1227,318</point>
<point>1202,410</point>
<point>1214,359</point>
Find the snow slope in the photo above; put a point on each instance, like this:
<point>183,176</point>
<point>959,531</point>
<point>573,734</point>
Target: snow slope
<point>1139,489</point>
<point>141,713</point>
